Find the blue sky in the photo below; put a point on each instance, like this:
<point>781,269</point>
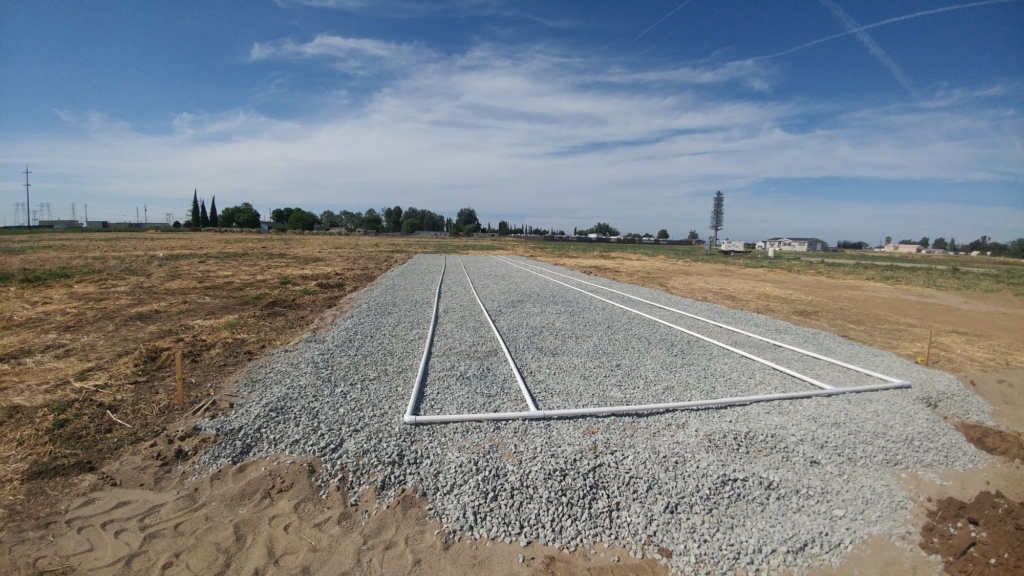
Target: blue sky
<point>832,118</point>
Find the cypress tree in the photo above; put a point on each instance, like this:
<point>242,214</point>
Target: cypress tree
<point>204,220</point>
<point>195,209</point>
<point>213,213</point>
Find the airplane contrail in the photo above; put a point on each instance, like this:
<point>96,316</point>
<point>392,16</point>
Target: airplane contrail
<point>678,8</point>
<point>883,23</point>
<point>854,27</point>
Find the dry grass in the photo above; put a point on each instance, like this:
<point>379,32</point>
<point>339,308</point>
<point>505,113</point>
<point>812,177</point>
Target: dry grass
<point>91,322</point>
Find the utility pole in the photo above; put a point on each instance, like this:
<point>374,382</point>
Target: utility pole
<point>145,213</point>
<point>27,201</point>
<point>87,214</point>
<point>73,215</point>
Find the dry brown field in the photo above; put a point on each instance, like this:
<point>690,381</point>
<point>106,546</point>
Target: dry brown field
<point>91,323</point>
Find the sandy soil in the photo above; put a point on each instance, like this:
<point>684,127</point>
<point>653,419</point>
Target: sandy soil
<point>1004,390</point>
<point>140,515</point>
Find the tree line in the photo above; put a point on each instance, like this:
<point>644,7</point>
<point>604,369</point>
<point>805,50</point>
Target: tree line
<point>1012,249</point>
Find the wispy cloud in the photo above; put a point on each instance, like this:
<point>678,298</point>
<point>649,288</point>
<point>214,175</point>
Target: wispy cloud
<point>751,73</point>
<point>662,19</point>
<point>886,22</point>
<point>357,55</point>
<point>872,46</point>
<point>404,8</point>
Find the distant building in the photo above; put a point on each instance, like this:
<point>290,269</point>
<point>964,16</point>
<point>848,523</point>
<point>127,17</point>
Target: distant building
<point>794,244</point>
<point>60,223</point>
<point>134,225</point>
<point>266,226</point>
<point>97,224</point>
<point>430,233</point>
<point>904,248</point>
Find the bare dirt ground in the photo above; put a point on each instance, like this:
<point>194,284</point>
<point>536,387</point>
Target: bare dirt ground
<point>90,323</point>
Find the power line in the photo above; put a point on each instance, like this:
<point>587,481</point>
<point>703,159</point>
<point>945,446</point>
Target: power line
<point>27,201</point>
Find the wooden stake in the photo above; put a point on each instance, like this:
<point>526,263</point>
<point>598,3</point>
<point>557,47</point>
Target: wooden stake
<point>928,350</point>
<point>181,383</point>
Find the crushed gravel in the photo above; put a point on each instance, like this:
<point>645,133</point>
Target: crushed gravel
<point>788,484</point>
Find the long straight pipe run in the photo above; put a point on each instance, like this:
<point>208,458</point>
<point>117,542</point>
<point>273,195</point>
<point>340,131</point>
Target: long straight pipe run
<point>568,413</point>
<point>501,341</point>
<point>720,325</point>
<point>418,384</point>
<point>760,360</point>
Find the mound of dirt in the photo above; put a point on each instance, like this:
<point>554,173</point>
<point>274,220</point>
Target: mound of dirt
<point>983,536</point>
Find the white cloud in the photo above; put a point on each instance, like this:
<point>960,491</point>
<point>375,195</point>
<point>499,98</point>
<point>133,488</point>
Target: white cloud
<point>357,55</point>
<point>526,135</point>
<point>755,74</point>
<point>404,8</point>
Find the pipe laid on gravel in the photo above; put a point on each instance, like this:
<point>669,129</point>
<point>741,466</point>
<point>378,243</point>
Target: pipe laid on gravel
<point>571,412</point>
<point>720,325</point>
<point>418,384</point>
<point>501,341</point>
<point>758,359</point>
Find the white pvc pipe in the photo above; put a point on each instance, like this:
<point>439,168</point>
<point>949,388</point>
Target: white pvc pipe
<point>548,414</point>
<point>501,341</point>
<point>418,384</point>
<point>720,325</point>
<point>797,375</point>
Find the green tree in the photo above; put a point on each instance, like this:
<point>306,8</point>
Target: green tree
<point>952,245</point>
<point>662,234</point>
<point>923,242</point>
<point>940,243</point>
<point>176,224</point>
<point>1017,248</point>
<point>693,235</point>
<point>241,216</point>
<point>281,215</point>
<point>888,240</point>
<point>350,220</point>
<point>328,219</point>
<point>717,216</point>
<point>466,220</point>
<point>204,219</point>
<point>603,229</point>
<point>410,226</point>
<point>396,221</point>
<point>372,221</point>
<point>302,220</point>
<point>213,212</point>
<point>502,228</point>
<point>195,209</point>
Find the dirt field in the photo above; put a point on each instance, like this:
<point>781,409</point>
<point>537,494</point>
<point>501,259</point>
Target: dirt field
<point>91,323</point>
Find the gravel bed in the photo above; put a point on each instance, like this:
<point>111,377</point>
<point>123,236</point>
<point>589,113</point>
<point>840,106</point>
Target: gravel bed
<point>788,484</point>
<point>468,372</point>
